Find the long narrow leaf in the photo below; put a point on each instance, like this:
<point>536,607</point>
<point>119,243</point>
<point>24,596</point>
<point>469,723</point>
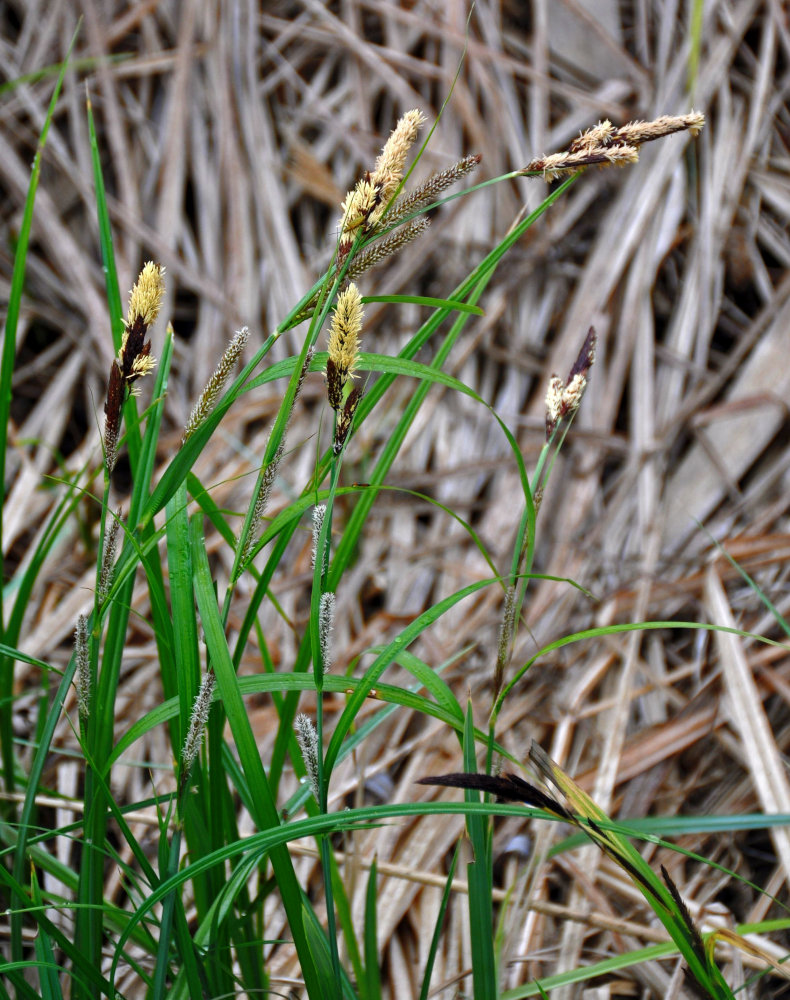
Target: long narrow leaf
<point>6,376</point>
<point>266,811</point>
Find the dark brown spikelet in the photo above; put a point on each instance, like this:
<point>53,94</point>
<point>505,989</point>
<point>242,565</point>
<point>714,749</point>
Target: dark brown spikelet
<point>116,391</point>
<point>507,786</point>
<point>564,396</point>
<point>586,358</point>
<point>694,936</point>
<point>134,358</point>
<point>334,385</point>
<point>134,346</point>
<point>345,418</point>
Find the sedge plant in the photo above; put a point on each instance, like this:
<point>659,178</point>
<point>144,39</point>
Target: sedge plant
<point>194,922</point>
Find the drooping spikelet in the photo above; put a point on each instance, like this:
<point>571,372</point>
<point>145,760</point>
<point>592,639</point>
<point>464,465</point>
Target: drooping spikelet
<point>604,144</point>
<point>596,136</point>
<point>563,164</point>
<point>638,132</point>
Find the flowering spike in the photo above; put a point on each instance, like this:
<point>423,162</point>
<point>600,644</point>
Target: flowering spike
<point>108,559</point>
<point>364,206</point>
<point>326,621</point>
<point>388,172</point>
<point>343,343</point>
<point>216,382</point>
<point>145,298</point>
<point>134,358</point>
<point>598,135</point>
<point>564,395</point>
<point>345,418</point>
<point>635,133</point>
<point>429,190</point>
<point>606,145</point>
<point>505,637</point>
<point>318,522</point>
<point>307,738</point>
<point>197,723</point>
<point>387,246</point>
<point>265,483</point>
<point>82,653</point>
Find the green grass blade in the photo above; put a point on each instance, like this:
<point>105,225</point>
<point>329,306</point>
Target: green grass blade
<point>480,879</point>
<point>6,376</point>
<point>451,305</point>
<point>437,930</point>
<point>164,944</point>
<point>48,975</point>
<point>147,460</point>
<point>203,498</point>
<point>182,599</point>
<point>343,907</point>
<point>114,305</point>
<point>88,64</point>
<point>266,810</point>
<point>383,660</point>
<point>372,989</point>
<point>593,633</point>
<point>26,821</point>
<point>299,682</point>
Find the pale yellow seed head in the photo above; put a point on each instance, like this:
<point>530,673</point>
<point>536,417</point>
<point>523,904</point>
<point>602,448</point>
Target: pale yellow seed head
<point>557,165</point>
<point>696,122</point>
<point>622,156</point>
<point>344,332</point>
<point>594,136</point>
<point>392,158</point>
<point>572,393</point>
<point>358,205</point>
<point>638,132</point>
<point>143,364</point>
<point>554,399</point>
<point>391,162</point>
<point>145,299</point>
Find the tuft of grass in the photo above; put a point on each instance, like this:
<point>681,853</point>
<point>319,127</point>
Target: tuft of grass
<point>200,914</point>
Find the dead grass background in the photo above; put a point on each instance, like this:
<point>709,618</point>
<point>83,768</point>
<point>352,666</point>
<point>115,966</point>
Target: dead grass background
<point>229,134</point>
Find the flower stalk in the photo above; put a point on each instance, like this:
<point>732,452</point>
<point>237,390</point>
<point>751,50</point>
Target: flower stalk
<point>604,145</point>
